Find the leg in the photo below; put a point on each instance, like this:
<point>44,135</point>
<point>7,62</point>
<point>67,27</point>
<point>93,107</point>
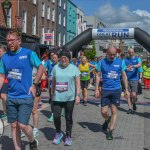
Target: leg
<point>3,97</point>
<point>15,131</point>
<point>114,111</point>
<point>68,115</point>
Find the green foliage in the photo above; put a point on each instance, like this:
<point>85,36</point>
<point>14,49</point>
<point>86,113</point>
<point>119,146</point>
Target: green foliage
<point>90,53</point>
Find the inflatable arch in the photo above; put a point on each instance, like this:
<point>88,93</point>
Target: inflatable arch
<point>85,37</point>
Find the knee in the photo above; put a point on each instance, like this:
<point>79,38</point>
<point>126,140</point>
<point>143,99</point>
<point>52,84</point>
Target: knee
<point>22,126</point>
<point>104,112</point>
<point>34,111</point>
<point>14,125</point>
<point>3,96</point>
<point>133,95</point>
<point>113,111</point>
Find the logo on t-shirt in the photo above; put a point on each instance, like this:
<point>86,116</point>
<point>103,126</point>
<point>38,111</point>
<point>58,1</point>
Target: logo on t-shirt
<point>23,57</point>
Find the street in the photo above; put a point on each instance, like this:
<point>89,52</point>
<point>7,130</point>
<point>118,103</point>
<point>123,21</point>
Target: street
<point>132,132</point>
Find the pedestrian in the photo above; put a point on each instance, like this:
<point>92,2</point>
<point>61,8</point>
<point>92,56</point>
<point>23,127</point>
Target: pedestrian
<point>17,64</point>
<point>84,68</point>
<point>133,63</point>
<point>3,91</point>
<point>111,69</point>
<point>65,92</point>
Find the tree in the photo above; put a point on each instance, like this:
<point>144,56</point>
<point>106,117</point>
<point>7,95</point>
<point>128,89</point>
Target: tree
<point>90,53</point>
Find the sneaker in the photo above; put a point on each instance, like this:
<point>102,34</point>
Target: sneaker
<point>57,138</point>
<point>39,105</point>
<point>134,106</point>
<point>22,134</point>
<point>35,133</point>
<point>68,141</point>
<point>109,135</point>
<point>33,146</point>
<point>130,111</point>
<point>90,86</point>
<point>85,103</point>
<point>106,123</point>
<point>51,118</point>
<point>3,116</point>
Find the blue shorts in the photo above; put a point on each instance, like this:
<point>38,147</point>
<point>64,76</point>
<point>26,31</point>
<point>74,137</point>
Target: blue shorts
<point>19,110</point>
<point>4,88</point>
<point>110,97</point>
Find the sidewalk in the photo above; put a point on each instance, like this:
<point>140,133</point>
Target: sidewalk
<point>132,131</point>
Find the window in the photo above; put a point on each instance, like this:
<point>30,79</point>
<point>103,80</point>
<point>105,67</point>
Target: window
<point>64,6</point>
<point>48,31</point>
<point>59,39</point>
<point>60,18</point>
<point>9,18</point>
<point>59,3</point>
<point>48,12</point>
<point>34,25</point>
<point>34,2</point>
<point>53,35</point>
<point>24,22</point>
<point>64,21</point>
<point>53,15</point>
<point>42,35</point>
<point>64,39</point>
<point>43,10</point>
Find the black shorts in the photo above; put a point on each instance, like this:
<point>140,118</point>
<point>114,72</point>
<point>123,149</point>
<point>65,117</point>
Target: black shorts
<point>4,89</point>
<point>84,84</point>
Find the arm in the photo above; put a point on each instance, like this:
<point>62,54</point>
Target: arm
<point>124,76</point>
<point>53,86</point>
<point>1,80</point>
<point>39,74</point>
<point>97,78</point>
<point>90,65</point>
<point>138,65</point>
<point>77,100</point>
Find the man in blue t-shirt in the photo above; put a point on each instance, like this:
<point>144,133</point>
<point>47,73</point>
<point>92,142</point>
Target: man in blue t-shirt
<point>110,68</point>
<point>133,63</point>
<point>17,65</point>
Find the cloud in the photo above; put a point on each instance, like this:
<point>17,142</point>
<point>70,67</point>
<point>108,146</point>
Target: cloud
<point>123,17</point>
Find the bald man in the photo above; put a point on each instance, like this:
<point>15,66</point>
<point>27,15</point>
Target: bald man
<point>111,68</point>
<point>133,63</point>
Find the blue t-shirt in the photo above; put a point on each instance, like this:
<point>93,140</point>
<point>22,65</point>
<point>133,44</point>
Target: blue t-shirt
<point>18,69</point>
<point>111,72</point>
<point>133,73</point>
<point>65,89</point>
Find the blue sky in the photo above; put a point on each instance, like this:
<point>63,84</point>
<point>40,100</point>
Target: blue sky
<point>118,13</point>
<point>90,6</point>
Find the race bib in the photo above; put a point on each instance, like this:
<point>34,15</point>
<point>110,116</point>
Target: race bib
<point>15,74</point>
<point>84,74</point>
<point>112,75</point>
<point>61,86</point>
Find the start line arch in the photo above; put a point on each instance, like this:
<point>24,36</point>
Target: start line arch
<point>85,37</point>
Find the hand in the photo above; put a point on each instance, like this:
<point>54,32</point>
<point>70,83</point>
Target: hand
<point>127,94</point>
<point>32,90</point>
<point>77,100</point>
<point>96,93</point>
<point>140,80</point>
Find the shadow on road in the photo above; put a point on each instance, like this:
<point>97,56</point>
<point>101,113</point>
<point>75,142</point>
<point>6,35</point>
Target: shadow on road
<point>7,144</point>
<point>46,113</point>
<point>94,127</point>
<point>49,133</point>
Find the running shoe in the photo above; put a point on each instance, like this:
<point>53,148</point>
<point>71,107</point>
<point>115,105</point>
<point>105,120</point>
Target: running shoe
<point>51,118</point>
<point>3,116</point>
<point>109,135</point>
<point>33,146</point>
<point>130,111</point>
<point>134,106</point>
<point>68,141</point>
<point>106,123</point>
<point>85,103</point>
<point>35,133</point>
<point>57,138</point>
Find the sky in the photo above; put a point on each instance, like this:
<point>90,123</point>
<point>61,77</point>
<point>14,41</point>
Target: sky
<point>118,13</point>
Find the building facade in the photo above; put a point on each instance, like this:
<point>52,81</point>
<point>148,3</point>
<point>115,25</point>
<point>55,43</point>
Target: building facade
<point>71,21</point>
<point>61,23</point>
<point>80,19</point>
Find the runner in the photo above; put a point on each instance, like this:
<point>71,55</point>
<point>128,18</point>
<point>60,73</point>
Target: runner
<point>65,91</point>
<point>84,68</point>
<point>3,91</point>
<point>111,69</point>
<point>17,65</point>
<point>133,63</point>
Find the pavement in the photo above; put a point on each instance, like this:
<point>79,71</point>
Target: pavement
<point>132,132</point>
